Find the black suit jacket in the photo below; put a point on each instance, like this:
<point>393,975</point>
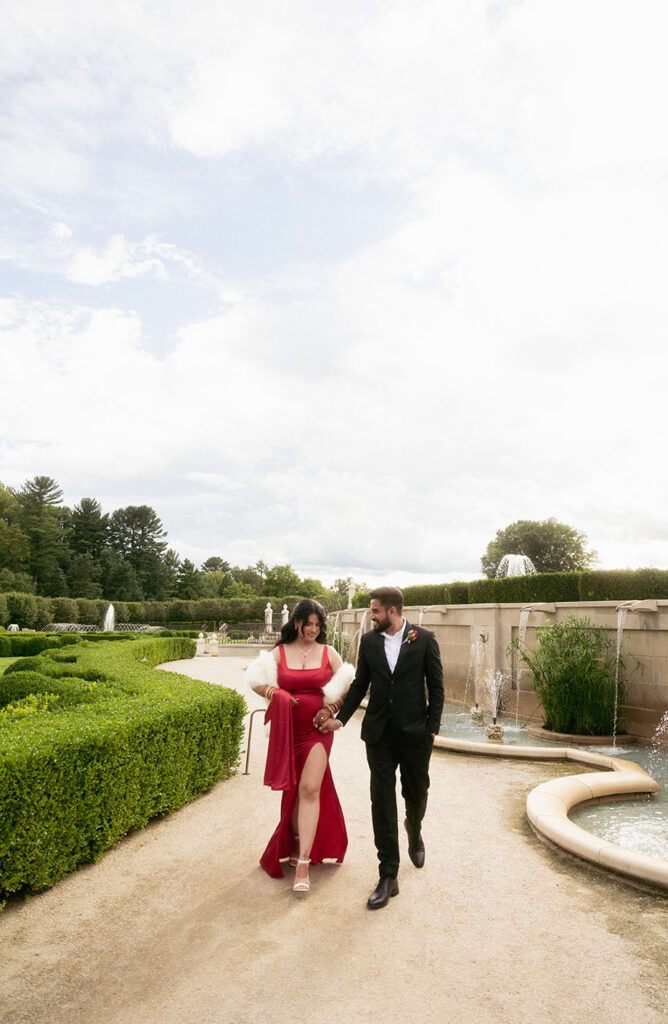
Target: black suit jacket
<point>399,696</point>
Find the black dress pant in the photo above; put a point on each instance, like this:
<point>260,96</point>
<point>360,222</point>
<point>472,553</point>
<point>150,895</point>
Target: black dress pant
<point>411,755</point>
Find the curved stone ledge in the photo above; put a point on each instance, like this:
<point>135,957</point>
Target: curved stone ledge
<point>549,804</point>
<point>539,732</point>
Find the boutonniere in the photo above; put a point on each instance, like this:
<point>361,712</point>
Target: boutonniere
<point>411,635</point>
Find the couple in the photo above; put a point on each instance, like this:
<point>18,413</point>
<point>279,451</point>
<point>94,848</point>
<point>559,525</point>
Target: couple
<point>395,661</point>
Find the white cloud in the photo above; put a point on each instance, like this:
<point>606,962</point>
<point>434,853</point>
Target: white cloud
<point>117,260</point>
<point>498,354</point>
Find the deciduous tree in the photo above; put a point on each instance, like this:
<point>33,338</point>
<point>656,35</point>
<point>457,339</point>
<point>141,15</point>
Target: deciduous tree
<point>551,546</point>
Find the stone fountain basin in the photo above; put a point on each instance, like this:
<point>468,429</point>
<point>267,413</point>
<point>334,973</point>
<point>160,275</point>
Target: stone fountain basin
<point>549,804</point>
<point>539,732</point>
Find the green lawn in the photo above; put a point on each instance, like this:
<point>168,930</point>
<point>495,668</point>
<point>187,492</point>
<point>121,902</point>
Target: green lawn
<point>4,662</point>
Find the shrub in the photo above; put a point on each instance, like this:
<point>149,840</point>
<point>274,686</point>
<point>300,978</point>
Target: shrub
<point>624,585</point>
<point>4,610</point>
<point>155,612</point>
<point>459,592</point>
<point>122,743</point>
<point>91,612</point>
<point>64,609</point>
<point>573,669</point>
<point>427,593</point>
<point>22,645</point>
<point>21,608</point>
<point>43,612</point>
<point>424,594</point>
<point>545,586</point>
<point>121,611</point>
<point>135,613</point>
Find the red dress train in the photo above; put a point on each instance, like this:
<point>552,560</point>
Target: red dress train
<point>331,839</point>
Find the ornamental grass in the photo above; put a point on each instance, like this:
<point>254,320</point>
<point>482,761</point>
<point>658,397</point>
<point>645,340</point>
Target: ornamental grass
<point>573,666</point>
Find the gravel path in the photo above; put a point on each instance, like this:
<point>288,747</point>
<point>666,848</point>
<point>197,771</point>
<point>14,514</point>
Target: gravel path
<point>179,925</point>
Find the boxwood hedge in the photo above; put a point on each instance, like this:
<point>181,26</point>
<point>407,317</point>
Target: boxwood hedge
<point>94,742</point>
<point>624,585</point>
<point>543,586</point>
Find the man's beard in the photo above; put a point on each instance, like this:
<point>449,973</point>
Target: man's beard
<point>380,627</point>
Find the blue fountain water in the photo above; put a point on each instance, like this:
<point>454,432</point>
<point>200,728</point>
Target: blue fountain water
<point>640,824</point>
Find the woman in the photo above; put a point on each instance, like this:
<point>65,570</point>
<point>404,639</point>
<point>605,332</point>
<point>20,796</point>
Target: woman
<point>297,678</point>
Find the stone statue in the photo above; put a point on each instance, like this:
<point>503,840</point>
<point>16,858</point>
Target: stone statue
<point>285,615</point>
<point>268,617</point>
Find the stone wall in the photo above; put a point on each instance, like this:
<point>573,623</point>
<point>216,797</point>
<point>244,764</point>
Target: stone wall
<point>457,627</point>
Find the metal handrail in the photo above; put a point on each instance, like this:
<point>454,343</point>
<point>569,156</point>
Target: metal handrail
<point>250,733</point>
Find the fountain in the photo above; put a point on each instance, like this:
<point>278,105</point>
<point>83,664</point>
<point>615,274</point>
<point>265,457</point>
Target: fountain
<point>522,635</point>
<point>475,671</point>
<point>622,612</point>
<point>515,565</point>
<point>358,634</point>
<point>659,745</point>
<point>69,627</point>
<point>109,623</point>
<point>496,683</point>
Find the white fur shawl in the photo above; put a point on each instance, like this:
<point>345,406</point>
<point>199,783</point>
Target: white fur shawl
<point>263,672</point>
<point>339,684</point>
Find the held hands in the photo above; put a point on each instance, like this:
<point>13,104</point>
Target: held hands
<point>321,716</point>
<point>324,720</point>
<point>330,725</point>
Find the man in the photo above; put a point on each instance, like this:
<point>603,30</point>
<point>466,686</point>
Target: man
<point>395,659</point>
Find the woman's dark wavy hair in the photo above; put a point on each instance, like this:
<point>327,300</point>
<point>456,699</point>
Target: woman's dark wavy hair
<point>300,613</point>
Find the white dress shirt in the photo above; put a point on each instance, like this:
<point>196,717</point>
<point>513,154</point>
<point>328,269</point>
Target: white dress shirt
<point>393,645</point>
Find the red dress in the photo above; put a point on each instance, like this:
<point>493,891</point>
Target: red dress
<point>331,839</point>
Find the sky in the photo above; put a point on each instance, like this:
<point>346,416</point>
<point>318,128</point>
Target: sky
<point>347,285</point>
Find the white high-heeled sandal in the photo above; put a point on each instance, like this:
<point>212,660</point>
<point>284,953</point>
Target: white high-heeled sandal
<point>302,887</point>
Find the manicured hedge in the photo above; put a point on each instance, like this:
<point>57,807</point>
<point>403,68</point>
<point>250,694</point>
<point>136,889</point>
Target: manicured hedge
<point>459,592</point>
<point>414,596</point>
<point>120,743</point>
<point>64,609</point>
<point>546,586</point>
<point>27,610</point>
<point>33,612</point>
<point>624,585</point>
<point>89,612</point>
<point>19,645</point>
<point>426,593</point>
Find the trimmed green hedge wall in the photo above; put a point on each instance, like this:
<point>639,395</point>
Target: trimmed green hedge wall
<point>21,645</point>
<point>426,593</point>
<point>422,594</point>
<point>624,585</point>
<point>33,612</point>
<point>595,585</point>
<point>599,585</point>
<point>459,592</point>
<point>120,743</point>
<point>545,586</point>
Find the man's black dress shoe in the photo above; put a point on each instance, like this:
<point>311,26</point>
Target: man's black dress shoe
<point>380,896</point>
<point>415,847</point>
